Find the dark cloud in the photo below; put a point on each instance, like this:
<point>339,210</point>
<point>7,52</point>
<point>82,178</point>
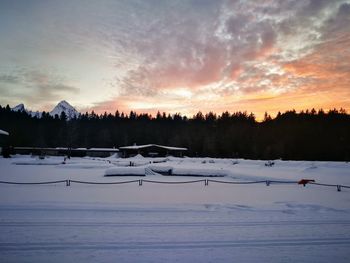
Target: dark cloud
<point>47,87</point>
<point>236,25</point>
<point>344,10</point>
<point>9,79</point>
<point>338,23</point>
<point>314,7</point>
<point>33,87</point>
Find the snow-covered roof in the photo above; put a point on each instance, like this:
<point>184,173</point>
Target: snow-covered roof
<point>137,147</point>
<point>4,132</point>
<point>69,149</point>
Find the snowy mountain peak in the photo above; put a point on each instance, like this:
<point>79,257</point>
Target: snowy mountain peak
<point>64,106</point>
<point>64,103</point>
<point>19,107</point>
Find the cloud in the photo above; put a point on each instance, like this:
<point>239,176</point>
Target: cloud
<point>241,50</point>
<point>9,79</point>
<point>194,52</point>
<point>47,86</point>
<point>180,55</point>
<point>36,87</point>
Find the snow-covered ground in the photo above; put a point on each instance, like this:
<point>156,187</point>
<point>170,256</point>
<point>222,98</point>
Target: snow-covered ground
<point>175,222</point>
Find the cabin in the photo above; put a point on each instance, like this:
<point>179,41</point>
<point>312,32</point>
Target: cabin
<point>151,150</point>
<point>62,151</point>
<point>102,152</point>
<point>36,151</point>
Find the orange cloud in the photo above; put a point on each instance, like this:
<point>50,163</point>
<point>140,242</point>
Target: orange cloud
<point>330,60</point>
<point>320,79</point>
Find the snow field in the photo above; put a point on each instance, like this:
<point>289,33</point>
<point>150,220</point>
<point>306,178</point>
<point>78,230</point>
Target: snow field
<point>173,223</point>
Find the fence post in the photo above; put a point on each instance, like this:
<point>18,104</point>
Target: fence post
<point>67,182</point>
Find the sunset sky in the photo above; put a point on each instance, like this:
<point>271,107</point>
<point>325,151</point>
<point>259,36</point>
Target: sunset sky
<point>176,55</point>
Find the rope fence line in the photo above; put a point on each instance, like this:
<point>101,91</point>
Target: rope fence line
<point>33,183</point>
<point>174,182</point>
<point>232,182</point>
<point>88,182</point>
<point>140,182</point>
<point>339,186</point>
<point>345,186</point>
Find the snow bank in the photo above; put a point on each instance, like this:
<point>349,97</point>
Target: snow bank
<point>39,162</point>
<point>165,170</point>
<point>125,171</point>
<point>137,157</point>
<point>4,132</point>
<point>189,171</point>
<point>199,172</point>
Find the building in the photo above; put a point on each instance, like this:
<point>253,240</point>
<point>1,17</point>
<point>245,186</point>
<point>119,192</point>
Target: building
<point>151,150</point>
<point>62,151</point>
<point>101,152</point>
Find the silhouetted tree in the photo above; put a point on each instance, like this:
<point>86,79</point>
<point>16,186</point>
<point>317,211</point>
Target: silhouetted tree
<point>310,135</point>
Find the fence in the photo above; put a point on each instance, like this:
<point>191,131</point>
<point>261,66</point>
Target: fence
<point>206,182</point>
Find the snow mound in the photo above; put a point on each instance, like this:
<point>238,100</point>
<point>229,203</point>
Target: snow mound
<point>125,171</point>
<point>199,172</point>
<point>4,132</point>
<point>136,157</point>
<point>38,162</point>
<point>164,170</point>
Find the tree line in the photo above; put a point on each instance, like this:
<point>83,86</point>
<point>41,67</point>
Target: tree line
<point>305,135</point>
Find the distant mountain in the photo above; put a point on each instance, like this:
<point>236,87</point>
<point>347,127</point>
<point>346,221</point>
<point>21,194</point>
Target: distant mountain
<point>62,106</point>
<point>65,107</point>
<point>20,107</point>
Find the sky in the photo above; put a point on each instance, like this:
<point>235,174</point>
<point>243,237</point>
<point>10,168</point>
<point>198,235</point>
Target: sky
<point>176,56</point>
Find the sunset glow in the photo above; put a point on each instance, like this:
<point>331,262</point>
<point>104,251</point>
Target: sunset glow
<point>180,56</point>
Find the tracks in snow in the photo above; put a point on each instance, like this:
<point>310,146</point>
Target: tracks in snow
<point>172,225</point>
<point>49,246</point>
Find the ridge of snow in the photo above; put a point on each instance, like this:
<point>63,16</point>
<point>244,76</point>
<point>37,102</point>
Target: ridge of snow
<point>2,132</point>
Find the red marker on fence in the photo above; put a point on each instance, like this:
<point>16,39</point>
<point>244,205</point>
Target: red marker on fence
<point>306,181</point>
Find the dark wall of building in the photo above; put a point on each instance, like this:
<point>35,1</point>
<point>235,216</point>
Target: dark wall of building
<point>152,151</point>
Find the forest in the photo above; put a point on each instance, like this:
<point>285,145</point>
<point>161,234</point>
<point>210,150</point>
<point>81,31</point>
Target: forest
<point>306,135</point>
